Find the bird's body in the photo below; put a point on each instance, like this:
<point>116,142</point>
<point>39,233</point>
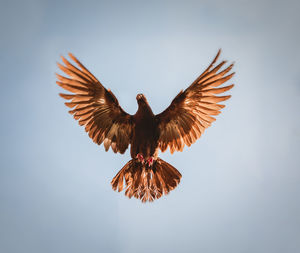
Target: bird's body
<point>145,131</point>
<point>146,176</point>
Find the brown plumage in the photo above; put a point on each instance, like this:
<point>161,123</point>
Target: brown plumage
<point>146,176</point>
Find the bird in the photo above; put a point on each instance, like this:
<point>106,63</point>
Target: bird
<point>146,176</point>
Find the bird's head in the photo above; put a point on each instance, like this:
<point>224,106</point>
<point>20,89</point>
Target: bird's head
<point>141,98</point>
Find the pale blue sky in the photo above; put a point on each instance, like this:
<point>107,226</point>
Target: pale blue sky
<point>241,181</point>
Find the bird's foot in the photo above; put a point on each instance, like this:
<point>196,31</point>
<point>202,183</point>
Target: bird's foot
<point>140,157</point>
<point>150,161</point>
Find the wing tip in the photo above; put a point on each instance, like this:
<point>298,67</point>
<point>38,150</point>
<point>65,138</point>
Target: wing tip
<point>70,104</point>
<point>226,97</point>
<point>66,96</point>
<point>71,55</point>
<point>229,87</point>
<point>215,59</point>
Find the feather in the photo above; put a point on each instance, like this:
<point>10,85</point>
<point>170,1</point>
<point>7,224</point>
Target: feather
<point>218,90</point>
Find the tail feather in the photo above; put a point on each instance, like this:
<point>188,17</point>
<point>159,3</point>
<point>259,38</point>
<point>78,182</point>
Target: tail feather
<point>145,183</point>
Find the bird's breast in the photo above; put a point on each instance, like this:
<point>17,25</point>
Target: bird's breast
<point>145,136</point>
<point>145,126</point>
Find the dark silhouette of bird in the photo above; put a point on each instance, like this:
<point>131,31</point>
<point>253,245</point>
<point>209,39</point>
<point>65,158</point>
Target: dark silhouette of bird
<point>145,176</point>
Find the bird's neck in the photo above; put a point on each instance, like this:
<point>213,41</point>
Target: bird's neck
<point>144,111</point>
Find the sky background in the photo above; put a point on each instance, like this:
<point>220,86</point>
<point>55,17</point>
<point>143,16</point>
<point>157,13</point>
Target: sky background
<point>241,181</point>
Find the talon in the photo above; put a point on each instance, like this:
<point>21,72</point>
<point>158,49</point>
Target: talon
<point>140,157</point>
<point>150,161</point>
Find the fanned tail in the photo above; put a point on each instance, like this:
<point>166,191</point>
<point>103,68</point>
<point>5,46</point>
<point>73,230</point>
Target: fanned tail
<point>146,183</point>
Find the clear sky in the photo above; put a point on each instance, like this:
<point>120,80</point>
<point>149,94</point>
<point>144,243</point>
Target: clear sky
<point>241,181</point>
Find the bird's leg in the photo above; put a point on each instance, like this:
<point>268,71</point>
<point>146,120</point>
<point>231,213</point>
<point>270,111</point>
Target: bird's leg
<point>140,157</point>
<point>150,161</point>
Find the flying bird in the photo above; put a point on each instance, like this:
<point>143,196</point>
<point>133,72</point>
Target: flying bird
<point>145,176</point>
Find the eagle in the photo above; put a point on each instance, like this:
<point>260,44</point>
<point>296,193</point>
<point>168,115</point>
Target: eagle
<point>146,176</point>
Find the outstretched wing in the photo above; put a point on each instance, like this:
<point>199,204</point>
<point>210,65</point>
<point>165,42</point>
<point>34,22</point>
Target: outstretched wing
<point>190,113</point>
<point>95,107</point>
